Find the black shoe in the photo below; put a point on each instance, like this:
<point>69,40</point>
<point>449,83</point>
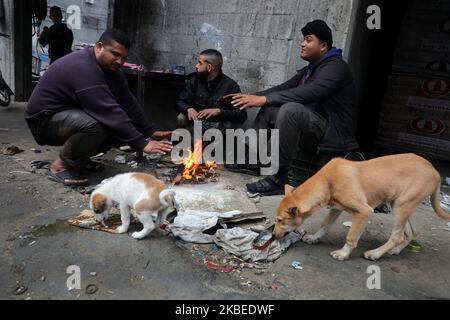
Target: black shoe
<point>251,169</point>
<point>269,186</point>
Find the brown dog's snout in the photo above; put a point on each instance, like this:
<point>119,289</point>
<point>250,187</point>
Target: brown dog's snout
<point>277,233</point>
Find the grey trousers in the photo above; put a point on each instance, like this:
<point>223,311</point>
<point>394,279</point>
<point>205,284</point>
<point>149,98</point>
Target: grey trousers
<point>298,127</point>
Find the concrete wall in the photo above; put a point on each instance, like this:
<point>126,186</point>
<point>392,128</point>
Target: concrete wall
<point>94,18</point>
<point>259,38</point>
<point>6,44</point>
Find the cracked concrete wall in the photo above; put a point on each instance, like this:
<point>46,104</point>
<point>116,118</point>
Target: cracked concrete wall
<point>259,39</point>
<point>6,44</point>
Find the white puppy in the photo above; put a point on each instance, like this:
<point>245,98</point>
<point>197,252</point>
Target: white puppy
<point>141,192</point>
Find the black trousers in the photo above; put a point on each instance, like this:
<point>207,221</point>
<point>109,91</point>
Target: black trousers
<point>298,126</point>
<point>80,135</point>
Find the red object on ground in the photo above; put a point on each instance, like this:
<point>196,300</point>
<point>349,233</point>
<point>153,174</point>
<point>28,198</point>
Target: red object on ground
<point>214,266</point>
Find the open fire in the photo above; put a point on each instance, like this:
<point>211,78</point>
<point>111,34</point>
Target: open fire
<point>192,170</point>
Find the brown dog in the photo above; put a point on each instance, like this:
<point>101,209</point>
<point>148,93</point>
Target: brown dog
<point>403,180</point>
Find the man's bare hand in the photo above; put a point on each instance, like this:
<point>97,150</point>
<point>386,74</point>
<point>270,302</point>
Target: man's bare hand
<point>161,147</point>
<point>161,135</point>
<point>192,114</point>
<point>245,101</point>
<point>208,113</point>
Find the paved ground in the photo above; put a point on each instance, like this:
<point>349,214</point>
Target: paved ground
<point>37,246</point>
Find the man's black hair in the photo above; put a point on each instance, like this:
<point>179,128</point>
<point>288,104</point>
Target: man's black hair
<point>117,35</point>
<point>213,57</point>
<point>55,10</point>
<point>321,30</point>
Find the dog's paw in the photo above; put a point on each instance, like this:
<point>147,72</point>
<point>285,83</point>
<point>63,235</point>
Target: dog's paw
<point>121,230</point>
<point>340,255</point>
<point>138,235</point>
<point>310,239</point>
<point>397,250</point>
<point>372,255</point>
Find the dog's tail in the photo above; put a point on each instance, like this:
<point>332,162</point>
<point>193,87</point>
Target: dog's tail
<point>436,203</point>
<point>167,198</point>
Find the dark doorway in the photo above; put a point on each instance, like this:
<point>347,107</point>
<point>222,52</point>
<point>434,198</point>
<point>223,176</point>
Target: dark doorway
<point>370,56</point>
<point>22,49</point>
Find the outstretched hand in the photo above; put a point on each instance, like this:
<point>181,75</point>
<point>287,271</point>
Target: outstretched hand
<point>161,147</point>
<point>245,101</point>
<point>192,114</point>
<point>208,113</point>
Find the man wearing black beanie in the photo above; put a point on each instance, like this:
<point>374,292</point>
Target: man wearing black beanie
<point>315,110</point>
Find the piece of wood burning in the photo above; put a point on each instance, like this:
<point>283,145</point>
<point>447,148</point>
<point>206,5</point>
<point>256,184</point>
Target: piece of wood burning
<point>177,179</point>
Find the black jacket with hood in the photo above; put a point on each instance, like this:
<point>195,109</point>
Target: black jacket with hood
<point>328,90</point>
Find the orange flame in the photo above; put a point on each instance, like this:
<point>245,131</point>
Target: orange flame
<point>192,164</point>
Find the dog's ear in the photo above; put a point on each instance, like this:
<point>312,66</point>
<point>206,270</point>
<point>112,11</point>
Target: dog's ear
<point>288,189</point>
<point>293,211</point>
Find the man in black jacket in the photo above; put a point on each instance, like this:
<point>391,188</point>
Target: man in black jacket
<point>84,104</point>
<point>203,98</point>
<point>315,110</point>
<point>59,37</point>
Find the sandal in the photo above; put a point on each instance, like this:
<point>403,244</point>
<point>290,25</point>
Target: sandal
<point>41,164</point>
<point>68,178</point>
<point>269,186</point>
<point>94,166</point>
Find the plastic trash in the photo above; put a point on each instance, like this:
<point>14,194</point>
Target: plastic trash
<point>239,242</point>
<point>189,225</point>
<point>414,246</point>
<point>297,265</point>
<point>121,159</point>
<point>264,239</point>
<point>348,224</point>
<point>215,266</point>
<point>20,289</point>
<point>448,226</point>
